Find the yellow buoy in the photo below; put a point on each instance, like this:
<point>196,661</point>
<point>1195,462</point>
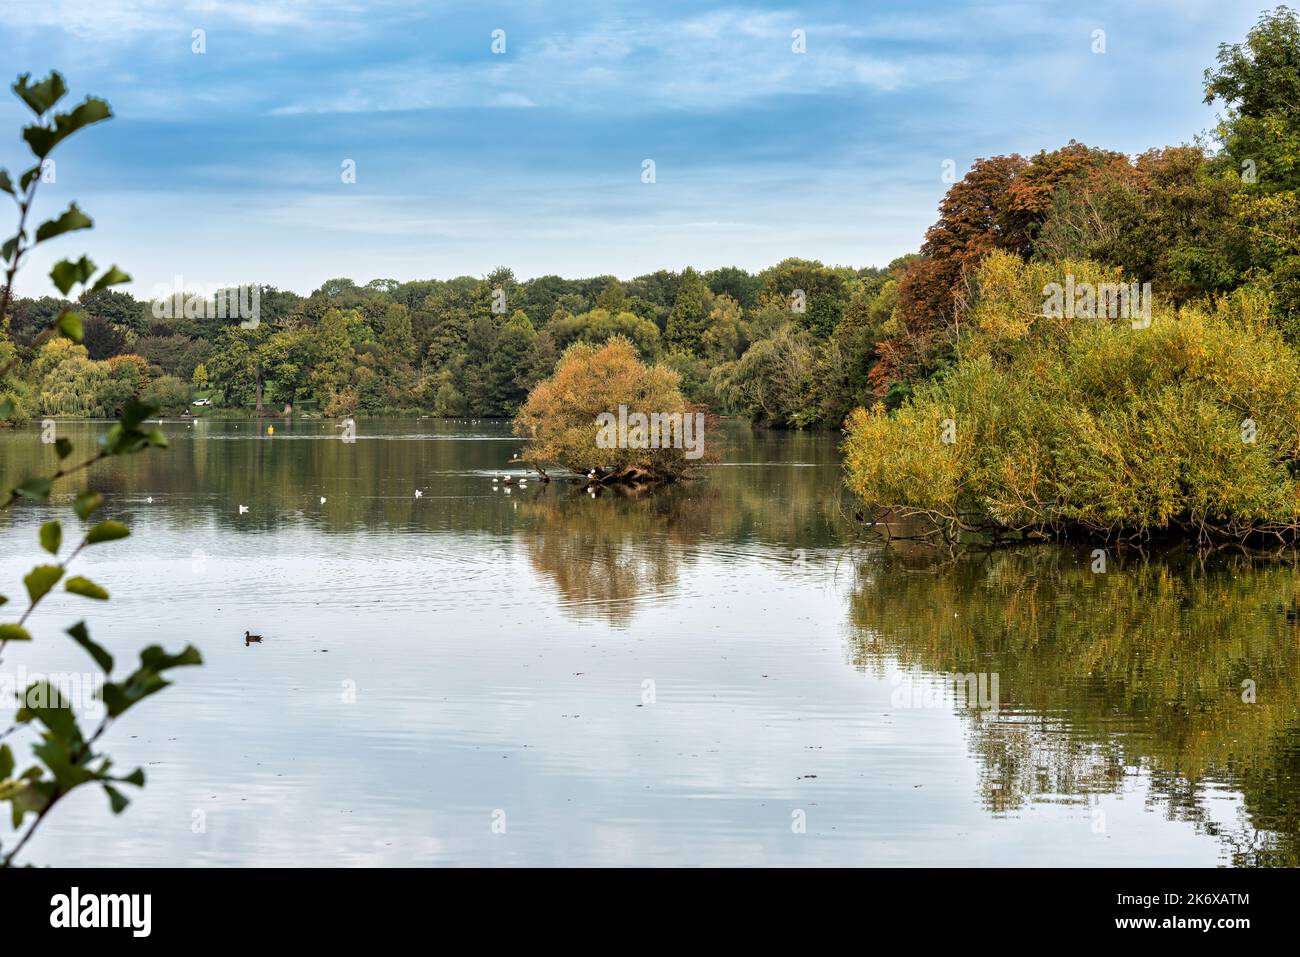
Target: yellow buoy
<point>270,430</point>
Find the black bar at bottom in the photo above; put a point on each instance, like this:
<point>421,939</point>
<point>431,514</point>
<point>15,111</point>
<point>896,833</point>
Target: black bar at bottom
<point>333,907</point>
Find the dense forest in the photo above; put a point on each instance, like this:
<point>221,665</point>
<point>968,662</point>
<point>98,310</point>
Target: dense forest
<point>469,346</point>
<point>1212,225</point>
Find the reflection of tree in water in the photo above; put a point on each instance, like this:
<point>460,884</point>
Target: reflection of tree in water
<point>1103,676</point>
<point>607,554</point>
<point>604,553</point>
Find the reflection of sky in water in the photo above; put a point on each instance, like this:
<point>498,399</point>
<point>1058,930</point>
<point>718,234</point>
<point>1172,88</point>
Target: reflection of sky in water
<point>499,647</point>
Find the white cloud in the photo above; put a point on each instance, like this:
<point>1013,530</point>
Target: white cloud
<point>109,19</point>
<point>707,62</point>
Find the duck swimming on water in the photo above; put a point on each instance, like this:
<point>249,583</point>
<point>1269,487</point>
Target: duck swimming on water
<point>249,639</point>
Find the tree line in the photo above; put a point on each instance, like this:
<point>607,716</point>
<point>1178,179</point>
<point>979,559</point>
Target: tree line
<point>789,345</point>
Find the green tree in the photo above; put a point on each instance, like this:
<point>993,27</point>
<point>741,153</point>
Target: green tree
<point>505,384</point>
<point>168,394</point>
<point>728,334</point>
<point>335,362</point>
<point>236,366</point>
<point>689,318</point>
<point>742,286</point>
<point>813,294</point>
<point>397,362</point>
<point>283,359</point>
<point>1259,82</point>
<point>119,308</point>
<point>613,299</point>
<point>70,382</point>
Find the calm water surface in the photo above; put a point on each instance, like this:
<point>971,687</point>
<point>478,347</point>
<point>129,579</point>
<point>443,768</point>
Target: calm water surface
<point>685,678</point>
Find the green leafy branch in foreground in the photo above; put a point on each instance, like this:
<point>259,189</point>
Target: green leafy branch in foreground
<point>66,756</point>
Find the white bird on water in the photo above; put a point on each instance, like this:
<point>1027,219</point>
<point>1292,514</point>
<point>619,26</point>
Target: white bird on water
<point>418,493</point>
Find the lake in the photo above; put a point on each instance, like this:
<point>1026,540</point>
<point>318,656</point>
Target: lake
<point>725,672</point>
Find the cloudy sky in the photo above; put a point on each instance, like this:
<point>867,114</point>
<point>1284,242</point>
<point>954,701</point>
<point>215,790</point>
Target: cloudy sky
<point>226,166</point>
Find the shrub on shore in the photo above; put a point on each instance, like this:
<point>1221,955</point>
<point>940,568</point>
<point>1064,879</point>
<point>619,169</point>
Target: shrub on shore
<point>1052,425</point>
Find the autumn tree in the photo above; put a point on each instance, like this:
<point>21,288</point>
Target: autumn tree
<point>562,419</point>
<point>999,204</point>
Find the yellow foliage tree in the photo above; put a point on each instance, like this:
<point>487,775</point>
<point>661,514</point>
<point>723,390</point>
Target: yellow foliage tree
<point>585,417</point>
<point>1188,423</point>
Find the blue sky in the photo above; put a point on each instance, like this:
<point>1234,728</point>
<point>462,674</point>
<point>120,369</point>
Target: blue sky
<point>224,167</point>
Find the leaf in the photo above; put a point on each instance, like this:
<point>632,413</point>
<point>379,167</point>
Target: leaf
<point>6,183</point>
<point>51,536</point>
<point>59,751</point>
<point>43,139</point>
<point>106,532</point>
<point>43,95</point>
<point>145,680</point>
<point>85,503</point>
<point>135,412</point>
<point>90,110</point>
<point>67,273</point>
<point>71,327</point>
<point>40,580</point>
<point>37,488</point>
<point>116,799</point>
<point>14,633</point>
<point>31,798</point>
<point>70,220</point>
<point>43,701</point>
<point>6,762</point>
<point>79,585</point>
<point>63,447</point>
<point>155,659</point>
<point>136,777</point>
<point>3,600</point>
<point>81,636</point>
<point>111,277</point>
<point>121,696</point>
<point>125,437</point>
